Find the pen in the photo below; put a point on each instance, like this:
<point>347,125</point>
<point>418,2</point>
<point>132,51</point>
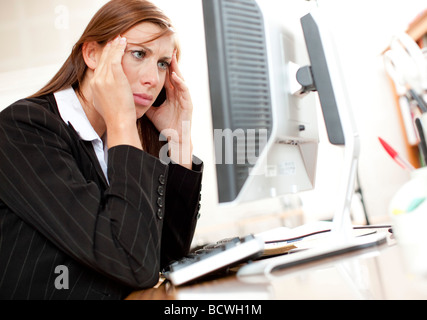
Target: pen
<point>396,157</point>
<point>423,145</point>
<point>420,101</point>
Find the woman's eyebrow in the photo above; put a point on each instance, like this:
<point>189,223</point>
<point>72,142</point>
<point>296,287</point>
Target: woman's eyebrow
<point>141,46</point>
<point>148,50</point>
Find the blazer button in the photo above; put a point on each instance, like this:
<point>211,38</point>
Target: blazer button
<point>160,202</point>
<point>162,179</point>
<point>160,214</point>
<point>161,190</point>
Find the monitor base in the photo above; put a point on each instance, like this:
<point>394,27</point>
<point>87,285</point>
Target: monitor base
<point>265,267</point>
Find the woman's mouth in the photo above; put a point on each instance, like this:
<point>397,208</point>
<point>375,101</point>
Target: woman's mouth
<point>142,99</point>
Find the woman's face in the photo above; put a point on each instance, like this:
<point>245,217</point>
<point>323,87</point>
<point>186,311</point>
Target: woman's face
<point>146,64</point>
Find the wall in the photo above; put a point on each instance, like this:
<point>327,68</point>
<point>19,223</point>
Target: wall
<point>38,36</point>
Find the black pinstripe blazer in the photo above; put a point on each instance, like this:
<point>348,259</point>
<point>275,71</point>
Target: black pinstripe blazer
<point>56,209</point>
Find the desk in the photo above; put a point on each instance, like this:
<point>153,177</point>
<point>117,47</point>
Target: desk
<point>373,273</point>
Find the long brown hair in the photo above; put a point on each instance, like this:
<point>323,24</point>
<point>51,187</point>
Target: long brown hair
<point>114,18</point>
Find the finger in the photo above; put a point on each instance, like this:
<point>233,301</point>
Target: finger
<point>175,66</point>
<point>109,67</point>
<point>118,50</point>
<point>178,82</point>
<point>118,47</point>
<point>168,82</point>
<point>181,90</point>
<point>102,63</point>
<point>109,50</point>
<point>103,69</point>
<point>169,87</point>
<point>113,51</point>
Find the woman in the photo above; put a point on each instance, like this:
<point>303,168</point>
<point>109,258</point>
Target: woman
<point>87,208</point>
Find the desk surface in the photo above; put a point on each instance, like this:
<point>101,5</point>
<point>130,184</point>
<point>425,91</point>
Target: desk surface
<point>374,273</point>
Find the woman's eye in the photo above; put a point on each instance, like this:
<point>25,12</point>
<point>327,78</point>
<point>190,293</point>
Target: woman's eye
<point>163,65</point>
<point>138,54</point>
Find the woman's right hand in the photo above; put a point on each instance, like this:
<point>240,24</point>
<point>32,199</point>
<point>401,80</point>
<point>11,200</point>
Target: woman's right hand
<point>113,98</point>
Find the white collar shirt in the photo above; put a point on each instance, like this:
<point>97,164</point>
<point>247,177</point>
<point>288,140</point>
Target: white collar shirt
<point>71,111</point>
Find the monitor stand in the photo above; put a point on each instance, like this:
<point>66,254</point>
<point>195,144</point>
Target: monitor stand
<point>340,240</point>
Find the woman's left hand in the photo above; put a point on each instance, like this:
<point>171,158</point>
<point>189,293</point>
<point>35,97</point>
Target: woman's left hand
<point>173,118</point>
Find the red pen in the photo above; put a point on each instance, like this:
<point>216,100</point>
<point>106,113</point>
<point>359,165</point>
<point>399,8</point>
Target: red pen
<point>396,157</point>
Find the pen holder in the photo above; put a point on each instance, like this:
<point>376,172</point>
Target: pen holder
<point>408,210</point>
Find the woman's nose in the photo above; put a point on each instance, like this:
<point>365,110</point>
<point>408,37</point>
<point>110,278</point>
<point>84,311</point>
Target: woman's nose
<point>150,75</point>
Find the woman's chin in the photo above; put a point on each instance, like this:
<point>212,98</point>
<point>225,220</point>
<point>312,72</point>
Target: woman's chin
<point>140,111</point>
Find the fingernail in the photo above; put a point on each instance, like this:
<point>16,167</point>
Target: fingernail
<point>123,40</point>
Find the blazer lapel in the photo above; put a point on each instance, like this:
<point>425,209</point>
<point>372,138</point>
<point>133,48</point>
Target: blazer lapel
<point>87,148</point>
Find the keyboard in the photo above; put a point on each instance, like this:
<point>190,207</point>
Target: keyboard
<point>214,257</point>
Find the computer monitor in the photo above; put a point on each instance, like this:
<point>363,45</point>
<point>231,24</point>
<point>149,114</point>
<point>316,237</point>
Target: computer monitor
<point>264,116</point>
<point>265,138</point>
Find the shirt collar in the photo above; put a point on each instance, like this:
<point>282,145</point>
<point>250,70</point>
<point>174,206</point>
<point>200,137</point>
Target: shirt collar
<point>71,111</point>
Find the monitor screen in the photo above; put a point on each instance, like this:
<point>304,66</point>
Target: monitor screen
<point>265,135</point>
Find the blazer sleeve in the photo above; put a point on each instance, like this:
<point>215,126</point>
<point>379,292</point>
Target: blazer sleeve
<point>182,210</point>
<point>117,232</point>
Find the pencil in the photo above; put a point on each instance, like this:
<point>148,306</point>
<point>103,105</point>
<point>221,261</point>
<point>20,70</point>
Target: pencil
<point>423,145</point>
